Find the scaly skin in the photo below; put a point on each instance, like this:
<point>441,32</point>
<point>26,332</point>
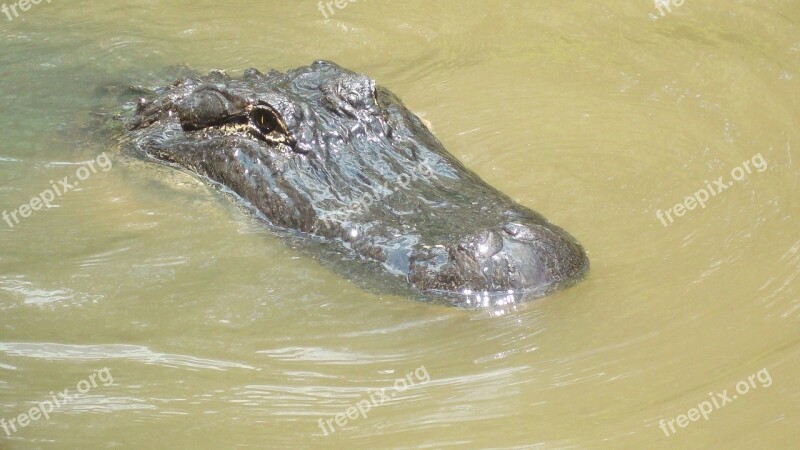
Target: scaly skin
<point>326,153</point>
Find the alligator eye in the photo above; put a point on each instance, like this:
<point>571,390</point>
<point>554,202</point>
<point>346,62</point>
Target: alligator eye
<point>267,125</point>
<point>265,119</point>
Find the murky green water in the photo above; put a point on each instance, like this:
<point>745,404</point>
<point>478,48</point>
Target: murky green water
<point>596,114</point>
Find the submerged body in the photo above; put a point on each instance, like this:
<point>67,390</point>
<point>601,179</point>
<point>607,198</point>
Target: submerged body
<point>324,152</point>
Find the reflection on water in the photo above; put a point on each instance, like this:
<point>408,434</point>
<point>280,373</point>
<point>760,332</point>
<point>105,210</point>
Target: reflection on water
<point>596,114</point>
<point>55,352</point>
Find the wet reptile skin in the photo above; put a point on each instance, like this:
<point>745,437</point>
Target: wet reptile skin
<point>325,153</point>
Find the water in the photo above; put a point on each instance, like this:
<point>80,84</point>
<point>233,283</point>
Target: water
<point>596,114</point>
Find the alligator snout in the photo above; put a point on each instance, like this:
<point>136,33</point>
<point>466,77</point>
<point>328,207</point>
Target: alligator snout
<point>530,260</point>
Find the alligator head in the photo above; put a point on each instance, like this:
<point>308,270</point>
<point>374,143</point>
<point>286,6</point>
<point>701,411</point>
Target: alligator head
<point>326,153</point>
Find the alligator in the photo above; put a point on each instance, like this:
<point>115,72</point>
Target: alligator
<point>331,157</point>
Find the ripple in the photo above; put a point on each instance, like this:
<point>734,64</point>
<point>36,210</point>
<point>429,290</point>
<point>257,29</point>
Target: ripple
<point>38,296</point>
<point>320,354</point>
<point>136,353</point>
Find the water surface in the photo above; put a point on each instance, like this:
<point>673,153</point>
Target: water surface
<point>596,114</point>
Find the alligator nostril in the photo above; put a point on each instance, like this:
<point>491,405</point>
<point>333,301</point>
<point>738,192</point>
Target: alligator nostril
<point>523,232</point>
<point>511,229</point>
